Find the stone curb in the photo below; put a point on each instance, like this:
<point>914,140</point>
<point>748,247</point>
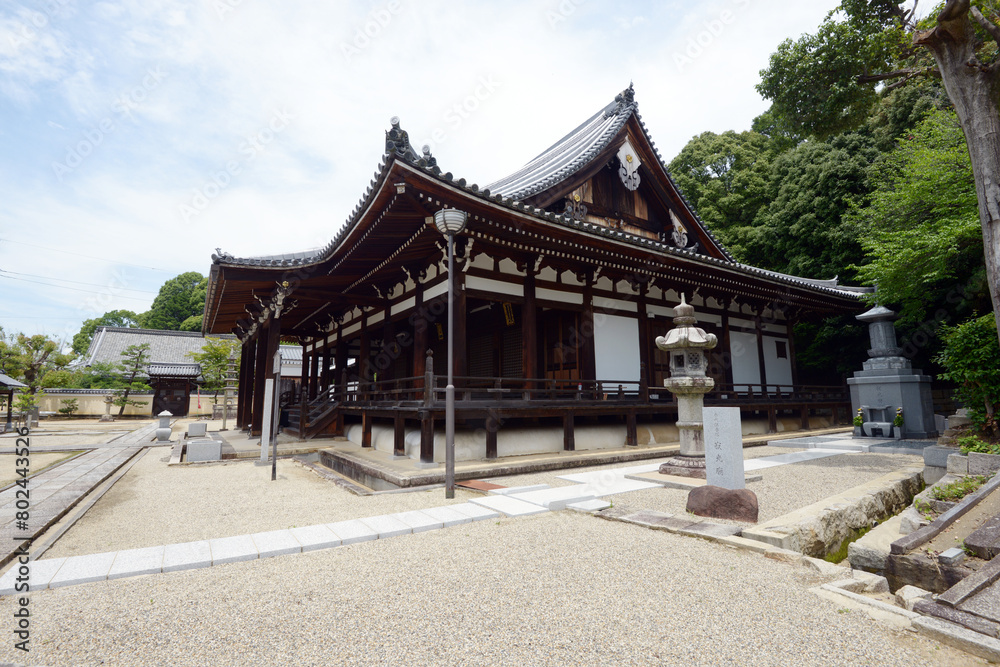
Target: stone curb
<point>959,637</point>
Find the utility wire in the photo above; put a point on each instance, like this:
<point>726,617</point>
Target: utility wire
<point>74,289</point>
<point>76,282</point>
<point>103,259</point>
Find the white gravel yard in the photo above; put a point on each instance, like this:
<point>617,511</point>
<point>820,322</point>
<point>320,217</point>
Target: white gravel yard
<point>159,504</point>
<point>559,588</point>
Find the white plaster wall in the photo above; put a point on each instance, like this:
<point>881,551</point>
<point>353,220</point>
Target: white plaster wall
<point>778,371</point>
<point>746,365</point>
<point>616,347</point>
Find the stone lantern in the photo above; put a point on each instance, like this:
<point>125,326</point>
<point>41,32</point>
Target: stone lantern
<point>686,345</point>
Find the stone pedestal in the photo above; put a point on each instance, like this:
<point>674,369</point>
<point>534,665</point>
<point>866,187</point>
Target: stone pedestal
<point>163,432</point>
<point>888,382</point>
<point>686,344</point>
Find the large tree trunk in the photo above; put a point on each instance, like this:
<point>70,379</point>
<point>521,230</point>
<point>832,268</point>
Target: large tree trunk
<point>974,90</point>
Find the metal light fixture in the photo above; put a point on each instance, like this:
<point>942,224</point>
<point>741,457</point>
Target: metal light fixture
<point>450,221</point>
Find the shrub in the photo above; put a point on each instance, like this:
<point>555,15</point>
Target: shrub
<point>70,405</point>
<point>972,443</point>
<point>971,358</point>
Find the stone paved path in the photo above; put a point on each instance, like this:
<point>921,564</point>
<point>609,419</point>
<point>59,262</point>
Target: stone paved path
<point>53,492</point>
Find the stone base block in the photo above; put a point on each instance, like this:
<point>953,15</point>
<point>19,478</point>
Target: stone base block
<point>983,464</point>
<point>720,503</point>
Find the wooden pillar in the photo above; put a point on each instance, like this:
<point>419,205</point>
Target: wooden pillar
<point>366,429</point>
<point>426,416</point>
<point>791,353</point>
<point>588,355</point>
<point>399,436</point>
<point>389,348</point>
<point>727,348</point>
<point>365,371</point>
<point>325,376</point>
<point>420,326</point>
<point>270,338</point>
<point>460,367</point>
<point>259,375</point>
<point>304,378</point>
<point>760,352</point>
<point>244,392</point>
<point>631,438</point>
<point>529,331</point>
<point>340,364</point>
<point>314,373</point>
<point>569,433</point>
<point>644,340</point>
<point>492,426</point>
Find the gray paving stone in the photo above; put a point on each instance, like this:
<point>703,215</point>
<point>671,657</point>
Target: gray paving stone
<point>233,549</point>
<point>83,569</point>
<point>352,531</point>
<point>276,543</point>
<point>418,521</point>
<point>475,512</point>
<point>447,516</point>
<point>595,505</point>
<point>187,556</point>
<point>707,529</point>
<point>510,506</point>
<point>518,489</point>
<point>134,562</point>
<point>386,526</point>
<point>40,573</point>
<point>315,537</point>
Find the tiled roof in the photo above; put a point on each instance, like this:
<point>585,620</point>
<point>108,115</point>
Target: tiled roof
<point>174,370</point>
<point>574,150</point>
<point>169,347</point>
<point>9,382</point>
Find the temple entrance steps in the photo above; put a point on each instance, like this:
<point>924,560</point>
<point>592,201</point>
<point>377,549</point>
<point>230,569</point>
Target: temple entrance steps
<point>320,414</point>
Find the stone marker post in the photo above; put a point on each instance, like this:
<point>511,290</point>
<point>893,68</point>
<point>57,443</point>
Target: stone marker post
<point>686,344</point>
<point>724,447</point>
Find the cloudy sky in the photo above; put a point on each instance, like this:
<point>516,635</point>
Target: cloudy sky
<point>140,135</point>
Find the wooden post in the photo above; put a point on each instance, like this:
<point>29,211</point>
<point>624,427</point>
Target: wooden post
<point>426,436</point>
<point>420,326</point>
<point>364,359</point>
<point>327,360</point>
<point>270,338</point>
<point>643,384</point>
<point>366,429</point>
<point>303,415</point>
<point>529,332</point>
<point>304,378</point>
<point>429,379</point>
<point>341,368</point>
<point>772,419</point>
<point>791,353</point>
<point>631,438</point>
<point>492,426</point>
<point>644,340</point>
<point>804,415</point>
<point>569,433</point>
<point>399,435</point>
<point>245,393</point>
<point>314,373</point>
<point>460,368</point>
<point>727,349</point>
<point>760,354</point>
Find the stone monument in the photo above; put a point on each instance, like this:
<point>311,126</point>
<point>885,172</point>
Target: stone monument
<point>106,417</point>
<point>889,384</point>
<point>686,345</point>
<point>725,496</point>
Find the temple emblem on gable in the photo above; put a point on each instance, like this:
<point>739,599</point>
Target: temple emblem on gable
<point>629,169</point>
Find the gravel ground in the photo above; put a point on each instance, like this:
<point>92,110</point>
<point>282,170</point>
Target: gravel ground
<point>159,504</point>
<point>555,589</point>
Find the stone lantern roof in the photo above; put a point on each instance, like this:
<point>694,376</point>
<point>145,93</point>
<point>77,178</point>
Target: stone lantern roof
<point>685,335</point>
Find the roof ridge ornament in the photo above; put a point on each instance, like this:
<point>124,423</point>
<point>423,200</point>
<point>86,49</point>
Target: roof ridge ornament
<point>624,101</point>
<point>397,142</point>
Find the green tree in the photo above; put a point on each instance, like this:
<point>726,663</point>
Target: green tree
<point>802,231</point>
<point>827,82</point>
<point>921,235</point>
<point>30,358</point>
<point>214,360</point>
<point>113,318</point>
<point>192,323</point>
<point>971,358</point>
<point>725,177</point>
<point>179,298</point>
<point>130,369</point>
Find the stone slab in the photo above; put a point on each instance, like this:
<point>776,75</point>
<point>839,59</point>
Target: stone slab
<point>197,430</point>
<point>959,637</point>
<point>928,607</point>
<point>447,516</point>
<point>985,603</point>
<point>475,512</point>
<point>653,519</point>
<point>795,457</point>
<point>938,456</point>
<point>556,498</point>
<point>315,537</point>
<point>136,562</point>
<point>983,464</point>
<point>83,569</point>
<point>958,464</point>
<point>871,552</point>
<point>952,556</point>
<point>510,506</point>
<point>908,596</point>
<point>204,450</point>
<point>40,573</point>
<point>711,530</point>
<point>419,521</point>
<point>723,437</point>
<point>187,556</point>
<point>595,505</point>
<point>352,531</point>
<point>386,526</point>
<point>507,490</point>
<point>276,543</point>
<point>233,549</point>
<point>668,481</point>
<point>972,584</point>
